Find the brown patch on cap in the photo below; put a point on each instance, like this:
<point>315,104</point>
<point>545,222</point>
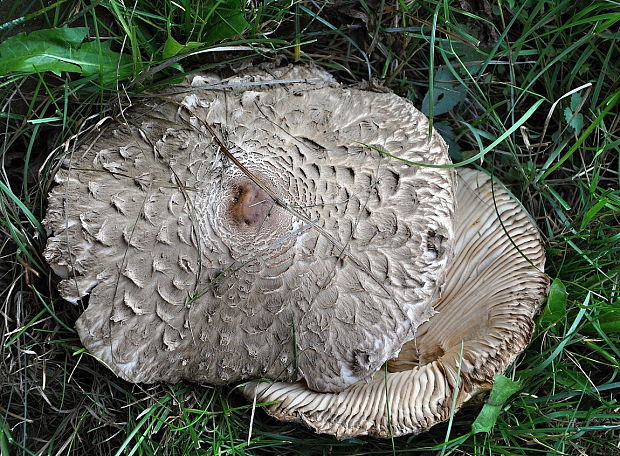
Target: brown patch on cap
<point>250,204</point>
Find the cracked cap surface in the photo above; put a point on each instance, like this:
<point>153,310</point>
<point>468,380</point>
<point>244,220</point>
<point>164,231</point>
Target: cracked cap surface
<point>318,260</point>
<point>494,287</point>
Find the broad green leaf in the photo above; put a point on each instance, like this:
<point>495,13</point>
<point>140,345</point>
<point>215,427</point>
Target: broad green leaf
<point>61,49</point>
<point>97,58</point>
<point>448,135</point>
<point>38,51</point>
<point>172,47</point>
<point>447,93</point>
<point>61,35</point>
<point>556,303</point>
<point>503,388</point>
<point>226,21</point>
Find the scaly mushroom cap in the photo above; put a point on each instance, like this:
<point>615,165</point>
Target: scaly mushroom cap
<point>314,257</point>
<point>494,288</point>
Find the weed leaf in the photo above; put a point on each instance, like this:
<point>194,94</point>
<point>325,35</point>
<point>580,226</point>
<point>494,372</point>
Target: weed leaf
<point>39,51</point>
<point>503,388</point>
<point>556,303</point>
<point>172,47</point>
<point>447,93</point>
<point>573,118</point>
<point>448,135</point>
<point>96,57</point>
<point>61,49</point>
<point>226,21</point>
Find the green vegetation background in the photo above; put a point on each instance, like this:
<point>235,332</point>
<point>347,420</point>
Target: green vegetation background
<point>528,90</point>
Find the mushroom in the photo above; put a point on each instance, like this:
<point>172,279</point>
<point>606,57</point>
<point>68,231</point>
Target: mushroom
<point>253,228</point>
<point>495,285</point>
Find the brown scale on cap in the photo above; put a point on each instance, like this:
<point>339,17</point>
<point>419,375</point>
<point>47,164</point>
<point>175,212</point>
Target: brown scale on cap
<point>250,205</point>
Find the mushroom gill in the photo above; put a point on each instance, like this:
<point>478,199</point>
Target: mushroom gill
<point>251,228</point>
<point>495,286</point>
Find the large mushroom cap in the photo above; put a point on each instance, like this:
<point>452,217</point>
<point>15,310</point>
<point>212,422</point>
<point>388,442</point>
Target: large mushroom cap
<point>287,248</point>
<point>494,288</point>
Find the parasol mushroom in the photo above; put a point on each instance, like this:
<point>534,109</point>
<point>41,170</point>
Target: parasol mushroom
<point>495,286</point>
<point>250,228</point>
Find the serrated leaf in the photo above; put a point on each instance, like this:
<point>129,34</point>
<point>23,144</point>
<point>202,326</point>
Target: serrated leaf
<point>568,114</point>
<point>577,123</point>
<point>556,303</point>
<point>574,120</point>
<point>61,35</point>
<point>503,388</point>
<point>575,99</point>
